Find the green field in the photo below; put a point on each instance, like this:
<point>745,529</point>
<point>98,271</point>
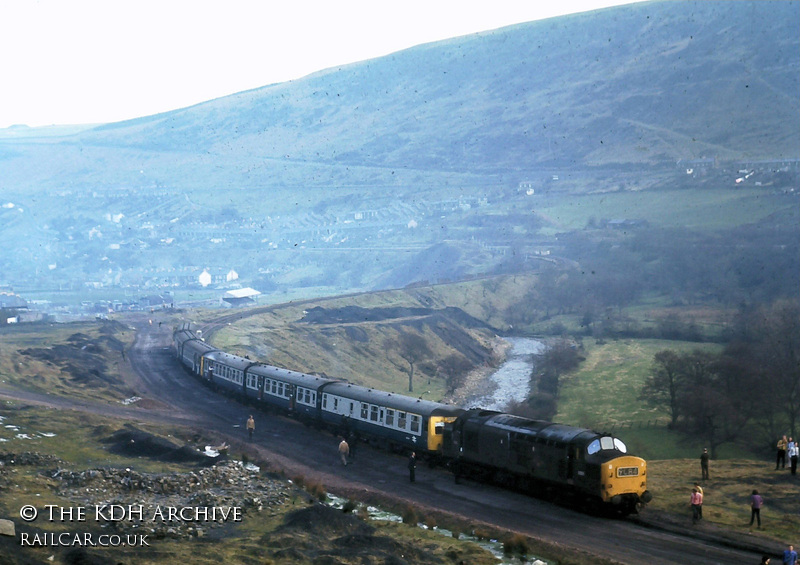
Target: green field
<point>691,209</point>
<point>604,391</point>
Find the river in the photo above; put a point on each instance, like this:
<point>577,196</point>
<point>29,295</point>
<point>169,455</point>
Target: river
<point>511,381</point>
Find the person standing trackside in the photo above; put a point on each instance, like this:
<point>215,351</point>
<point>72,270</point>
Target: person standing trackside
<point>790,556</point>
<point>702,498</point>
<point>704,463</point>
<point>780,460</point>
<point>344,451</point>
<point>756,502</point>
<point>696,502</point>
<point>794,453</point>
<point>412,467</point>
<point>251,427</point>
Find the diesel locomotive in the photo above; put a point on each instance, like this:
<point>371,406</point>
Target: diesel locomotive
<point>534,456</point>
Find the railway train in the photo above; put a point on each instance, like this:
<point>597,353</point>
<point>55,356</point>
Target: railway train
<point>534,456</point>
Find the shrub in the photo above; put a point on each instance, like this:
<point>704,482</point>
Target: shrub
<point>516,544</point>
<point>317,490</point>
<point>410,516</point>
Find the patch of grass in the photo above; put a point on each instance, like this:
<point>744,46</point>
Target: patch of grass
<point>604,392</point>
<point>726,495</point>
<point>75,437</point>
<point>81,359</point>
<point>707,209</point>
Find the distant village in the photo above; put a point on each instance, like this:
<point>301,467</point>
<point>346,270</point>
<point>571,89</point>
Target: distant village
<point>150,284</point>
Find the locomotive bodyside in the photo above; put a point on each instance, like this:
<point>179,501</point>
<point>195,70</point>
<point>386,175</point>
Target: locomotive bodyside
<point>535,455</point>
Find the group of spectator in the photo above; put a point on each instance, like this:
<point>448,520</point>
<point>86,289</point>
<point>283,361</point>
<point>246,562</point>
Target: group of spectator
<point>787,448</point>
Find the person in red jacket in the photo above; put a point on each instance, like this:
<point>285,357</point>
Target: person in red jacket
<point>696,502</point>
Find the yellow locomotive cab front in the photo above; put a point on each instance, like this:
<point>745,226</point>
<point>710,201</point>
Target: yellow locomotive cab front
<point>435,431</point>
<point>623,477</point>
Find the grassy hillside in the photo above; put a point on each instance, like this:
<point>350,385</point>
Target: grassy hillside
<point>643,83</point>
<point>472,156</point>
<point>364,352</point>
<point>79,360</point>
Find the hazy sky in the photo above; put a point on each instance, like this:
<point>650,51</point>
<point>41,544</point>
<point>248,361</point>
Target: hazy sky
<point>92,61</point>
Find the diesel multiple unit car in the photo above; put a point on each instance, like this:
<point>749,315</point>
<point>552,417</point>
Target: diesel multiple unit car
<point>531,455</point>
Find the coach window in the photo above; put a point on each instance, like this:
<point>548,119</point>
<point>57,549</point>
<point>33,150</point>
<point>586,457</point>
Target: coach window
<point>390,417</point>
<point>401,420</point>
<point>414,423</point>
<point>280,389</point>
<point>373,413</point>
<point>364,410</point>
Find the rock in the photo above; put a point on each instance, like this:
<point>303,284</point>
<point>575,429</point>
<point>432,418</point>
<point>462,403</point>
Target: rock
<point>7,528</point>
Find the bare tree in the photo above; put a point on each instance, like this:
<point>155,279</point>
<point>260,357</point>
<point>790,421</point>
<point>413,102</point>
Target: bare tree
<point>662,386</point>
<point>413,348</point>
<point>769,341</point>
<point>455,367</point>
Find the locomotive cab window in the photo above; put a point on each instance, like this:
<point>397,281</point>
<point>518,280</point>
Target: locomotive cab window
<point>606,443</point>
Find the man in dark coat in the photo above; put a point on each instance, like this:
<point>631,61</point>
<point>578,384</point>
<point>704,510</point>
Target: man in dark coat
<point>412,467</point>
<point>704,463</point>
